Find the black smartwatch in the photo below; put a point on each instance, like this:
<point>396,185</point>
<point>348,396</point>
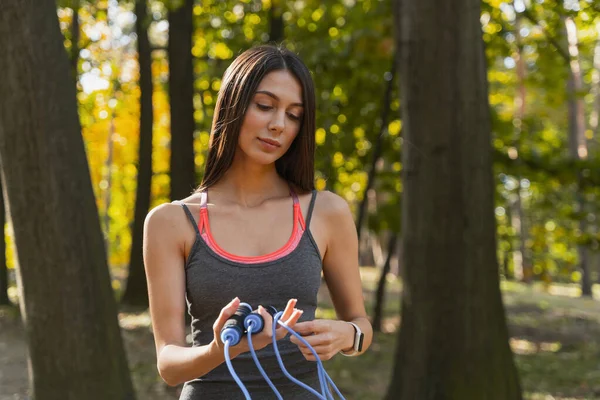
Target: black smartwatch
<point>358,341</point>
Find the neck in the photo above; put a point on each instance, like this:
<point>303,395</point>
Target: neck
<point>250,184</point>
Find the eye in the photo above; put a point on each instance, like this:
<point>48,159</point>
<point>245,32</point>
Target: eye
<point>294,117</point>
<point>263,107</point>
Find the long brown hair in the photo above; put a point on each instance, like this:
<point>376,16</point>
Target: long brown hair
<point>238,86</point>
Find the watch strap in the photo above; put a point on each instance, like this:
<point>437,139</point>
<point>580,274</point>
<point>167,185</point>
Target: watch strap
<point>358,341</point>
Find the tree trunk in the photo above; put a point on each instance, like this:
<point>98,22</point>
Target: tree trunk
<point>578,144</point>
<point>4,300</point>
<point>385,110</point>
<point>453,340</point>
<point>519,218</point>
<point>181,94</point>
<point>75,39</point>
<point>68,306</point>
<point>136,292</point>
<point>380,294</point>
<point>276,22</point>
<point>595,113</point>
<point>508,255</point>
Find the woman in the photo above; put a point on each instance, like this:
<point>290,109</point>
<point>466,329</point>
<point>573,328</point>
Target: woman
<point>231,239</point>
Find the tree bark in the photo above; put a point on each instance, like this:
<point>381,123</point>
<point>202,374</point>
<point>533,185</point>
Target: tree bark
<point>136,292</point>
<point>181,94</point>
<point>4,300</point>
<point>453,340</point>
<point>75,39</point>
<point>380,294</point>
<point>67,302</point>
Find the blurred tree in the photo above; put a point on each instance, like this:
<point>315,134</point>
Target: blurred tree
<point>181,96</point>
<point>136,291</point>
<point>380,292</point>
<point>276,21</point>
<point>4,300</point>
<point>378,149</point>
<point>67,295</point>
<point>453,340</point>
<point>578,146</point>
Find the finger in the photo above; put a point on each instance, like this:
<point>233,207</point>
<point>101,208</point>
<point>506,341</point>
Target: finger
<point>226,313</point>
<point>320,350</point>
<point>294,317</point>
<point>313,340</point>
<point>307,327</point>
<point>281,331</point>
<point>289,309</point>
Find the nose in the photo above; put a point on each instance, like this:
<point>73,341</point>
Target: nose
<point>277,123</point>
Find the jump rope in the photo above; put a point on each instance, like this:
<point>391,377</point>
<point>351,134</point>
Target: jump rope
<point>247,322</point>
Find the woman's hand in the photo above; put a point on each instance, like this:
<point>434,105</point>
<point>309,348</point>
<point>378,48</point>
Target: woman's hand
<point>326,336</point>
<point>290,317</point>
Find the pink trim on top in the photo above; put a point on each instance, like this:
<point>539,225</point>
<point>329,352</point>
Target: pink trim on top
<point>297,231</point>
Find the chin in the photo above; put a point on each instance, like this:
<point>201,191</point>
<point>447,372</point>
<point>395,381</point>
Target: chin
<point>261,158</point>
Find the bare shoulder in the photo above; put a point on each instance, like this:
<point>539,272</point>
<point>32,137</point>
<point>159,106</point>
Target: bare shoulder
<point>332,207</point>
<point>164,216</point>
<point>169,225</point>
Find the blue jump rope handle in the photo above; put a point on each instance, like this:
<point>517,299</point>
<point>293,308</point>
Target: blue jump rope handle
<point>233,330</point>
<point>257,320</point>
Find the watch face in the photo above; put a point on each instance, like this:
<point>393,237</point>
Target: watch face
<point>361,336</point>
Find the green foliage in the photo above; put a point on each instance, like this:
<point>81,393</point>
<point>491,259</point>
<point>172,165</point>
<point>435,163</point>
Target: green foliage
<point>348,46</point>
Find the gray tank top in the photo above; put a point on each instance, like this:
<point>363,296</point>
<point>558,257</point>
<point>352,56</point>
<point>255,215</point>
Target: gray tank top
<point>214,277</point>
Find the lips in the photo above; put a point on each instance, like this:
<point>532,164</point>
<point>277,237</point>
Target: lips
<point>270,141</point>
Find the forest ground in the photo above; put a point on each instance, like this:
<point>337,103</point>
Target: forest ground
<point>555,336</point>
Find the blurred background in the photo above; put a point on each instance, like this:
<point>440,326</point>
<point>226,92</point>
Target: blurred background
<point>147,76</point>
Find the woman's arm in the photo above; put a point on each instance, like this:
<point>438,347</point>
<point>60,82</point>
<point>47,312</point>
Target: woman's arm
<point>164,263</point>
<point>341,272</point>
<point>163,250</point>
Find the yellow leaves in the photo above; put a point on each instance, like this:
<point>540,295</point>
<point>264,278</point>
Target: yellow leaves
<point>204,139</point>
<point>335,129</point>
<point>338,160</point>
<point>317,14</point>
<point>359,132</point>
<point>504,77</point>
<point>249,32</point>
<point>199,48</point>
<point>394,127</point>
<point>337,91</point>
<point>199,160</point>
<point>492,28</point>
<point>320,184</point>
<point>253,19</point>
<point>204,84</point>
<point>220,51</point>
<point>342,118</point>
<point>320,136</point>
<point>333,32</point>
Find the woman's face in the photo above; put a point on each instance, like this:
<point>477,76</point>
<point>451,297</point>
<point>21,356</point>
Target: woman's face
<point>272,119</point>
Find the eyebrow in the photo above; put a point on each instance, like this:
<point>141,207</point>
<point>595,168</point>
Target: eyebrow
<point>276,98</point>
